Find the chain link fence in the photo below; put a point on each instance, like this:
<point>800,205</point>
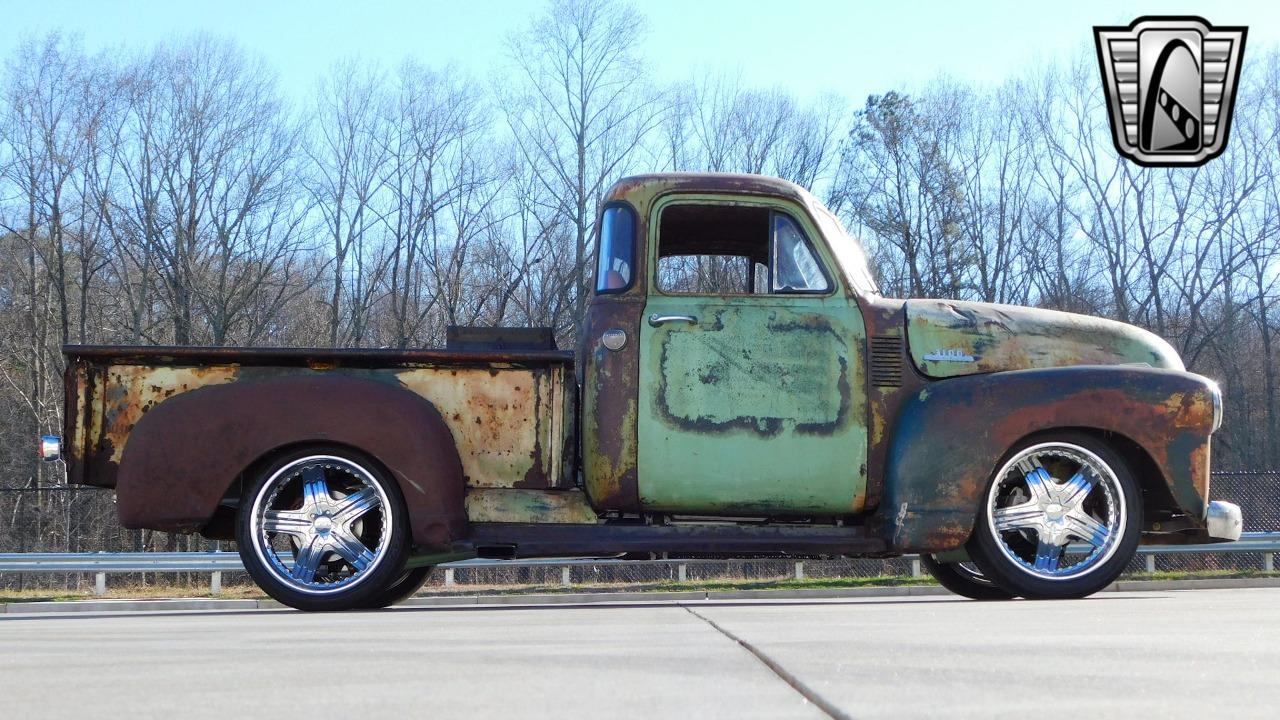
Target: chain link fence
<point>83,519</point>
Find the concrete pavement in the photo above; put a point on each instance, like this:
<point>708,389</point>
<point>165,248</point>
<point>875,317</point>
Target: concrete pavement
<point>1203,653</point>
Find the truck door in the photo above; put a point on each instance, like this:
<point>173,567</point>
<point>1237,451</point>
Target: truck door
<point>752,397</point>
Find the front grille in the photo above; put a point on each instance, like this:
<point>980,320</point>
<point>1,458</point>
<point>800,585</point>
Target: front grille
<point>886,361</point>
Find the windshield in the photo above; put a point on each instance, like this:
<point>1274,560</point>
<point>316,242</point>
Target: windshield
<point>848,251</point>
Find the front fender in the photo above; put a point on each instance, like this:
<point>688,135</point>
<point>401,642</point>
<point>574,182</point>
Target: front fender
<point>185,453</point>
<point>950,437</point>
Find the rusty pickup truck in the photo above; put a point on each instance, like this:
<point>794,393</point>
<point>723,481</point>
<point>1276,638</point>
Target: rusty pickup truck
<point>741,388</point>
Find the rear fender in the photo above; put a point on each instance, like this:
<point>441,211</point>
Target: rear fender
<point>185,453</point>
<point>951,435</point>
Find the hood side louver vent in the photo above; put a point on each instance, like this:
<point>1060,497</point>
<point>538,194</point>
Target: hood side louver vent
<point>886,361</point>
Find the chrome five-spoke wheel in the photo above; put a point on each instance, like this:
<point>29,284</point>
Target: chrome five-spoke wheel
<point>323,530</point>
<point>1061,518</point>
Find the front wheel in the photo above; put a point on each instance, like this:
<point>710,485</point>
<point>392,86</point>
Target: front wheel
<point>1061,518</point>
<point>964,578</point>
<point>324,529</point>
<point>400,590</point>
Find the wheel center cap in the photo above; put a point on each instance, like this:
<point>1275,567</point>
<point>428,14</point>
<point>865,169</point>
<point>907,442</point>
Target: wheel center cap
<point>323,524</point>
<point>1054,510</point>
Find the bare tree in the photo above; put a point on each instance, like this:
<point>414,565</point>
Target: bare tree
<point>583,109</point>
<point>716,124</point>
<point>349,156</point>
<point>897,181</point>
<point>433,116</point>
<point>170,194</point>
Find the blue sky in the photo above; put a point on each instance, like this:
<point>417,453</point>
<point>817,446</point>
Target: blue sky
<point>808,46</point>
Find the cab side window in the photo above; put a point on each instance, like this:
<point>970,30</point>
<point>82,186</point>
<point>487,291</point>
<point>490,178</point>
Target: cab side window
<point>707,249</point>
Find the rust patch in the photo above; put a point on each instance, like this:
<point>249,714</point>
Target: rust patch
<point>610,384</point>
<point>507,440</point>
<point>528,506</point>
<point>987,337</point>
<point>885,318</point>
<point>127,392</point>
<point>641,190</point>
<point>939,466</point>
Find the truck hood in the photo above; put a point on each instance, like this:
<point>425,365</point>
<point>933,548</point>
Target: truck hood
<point>948,338</point>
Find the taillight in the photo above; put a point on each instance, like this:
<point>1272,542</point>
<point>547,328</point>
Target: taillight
<point>50,448</point>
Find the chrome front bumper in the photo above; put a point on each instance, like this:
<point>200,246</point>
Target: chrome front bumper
<point>1223,520</point>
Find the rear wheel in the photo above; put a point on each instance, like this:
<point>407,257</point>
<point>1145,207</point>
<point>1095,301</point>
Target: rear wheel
<point>323,529</point>
<point>1061,518</point>
<point>400,590</point>
<point>964,578</point>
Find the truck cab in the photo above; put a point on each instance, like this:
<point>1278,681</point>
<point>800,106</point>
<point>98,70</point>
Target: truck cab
<point>725,355</point>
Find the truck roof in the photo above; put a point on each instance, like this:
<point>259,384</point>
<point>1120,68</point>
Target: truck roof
<point>639,189</point>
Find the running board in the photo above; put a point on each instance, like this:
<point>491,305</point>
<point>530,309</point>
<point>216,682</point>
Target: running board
<point>565,540</point>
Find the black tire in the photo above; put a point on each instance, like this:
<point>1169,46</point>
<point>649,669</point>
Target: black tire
<point>400,590</point>
<point>1014,562</point>
<point>965,581</point>
<point>279,487</point>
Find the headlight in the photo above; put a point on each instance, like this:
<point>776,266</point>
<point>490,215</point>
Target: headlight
<point>1216,393</point>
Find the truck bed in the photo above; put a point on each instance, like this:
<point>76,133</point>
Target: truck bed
<point>510,412</point>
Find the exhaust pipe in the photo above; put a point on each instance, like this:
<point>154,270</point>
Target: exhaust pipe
<point>50,448</point>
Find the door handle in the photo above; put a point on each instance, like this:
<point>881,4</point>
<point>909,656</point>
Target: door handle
<point>655,319</point>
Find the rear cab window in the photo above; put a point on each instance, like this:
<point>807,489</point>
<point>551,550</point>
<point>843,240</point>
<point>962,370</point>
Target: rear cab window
<point>615,266</point>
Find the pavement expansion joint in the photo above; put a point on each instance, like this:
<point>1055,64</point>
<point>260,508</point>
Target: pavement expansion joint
<point>783,674</point>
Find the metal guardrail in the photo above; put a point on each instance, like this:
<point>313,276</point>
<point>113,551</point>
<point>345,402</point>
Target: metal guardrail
<point>123,562</point>
<point>103,563</point>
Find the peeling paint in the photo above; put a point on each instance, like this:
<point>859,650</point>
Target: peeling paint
<point>1005,337</point>
<point>131,390</point>
<point>759,407</point>
<point>502,423</point>
<point>528,506</point>
<point>609,409</point>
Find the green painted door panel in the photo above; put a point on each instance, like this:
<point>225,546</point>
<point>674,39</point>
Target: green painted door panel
<point>758,407</point>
